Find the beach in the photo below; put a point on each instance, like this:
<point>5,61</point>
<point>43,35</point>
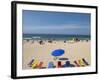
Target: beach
<point>42,52</point>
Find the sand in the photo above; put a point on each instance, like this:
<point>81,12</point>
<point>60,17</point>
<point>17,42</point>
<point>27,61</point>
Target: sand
<point>73,51</point>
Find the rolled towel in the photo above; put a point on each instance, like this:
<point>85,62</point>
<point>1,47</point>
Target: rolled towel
<point>40,65</point>
<point>67,64</point>
<point>59,64</point>
<point>81,63</point>
<point>85,61</point>
<point>50,65</point>
<point>35,64</point>
<point>30,63</point>
<point>76,64</point>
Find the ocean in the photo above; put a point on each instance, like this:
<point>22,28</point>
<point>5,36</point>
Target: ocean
<point>55,37</point>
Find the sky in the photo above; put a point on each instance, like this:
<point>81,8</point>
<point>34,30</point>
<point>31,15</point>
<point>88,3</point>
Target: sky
<point>47,22</point>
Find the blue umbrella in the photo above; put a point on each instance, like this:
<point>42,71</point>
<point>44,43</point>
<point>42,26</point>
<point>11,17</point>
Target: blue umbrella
<point>57,52</point>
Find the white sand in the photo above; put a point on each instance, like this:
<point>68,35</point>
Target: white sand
<point>73,51</point>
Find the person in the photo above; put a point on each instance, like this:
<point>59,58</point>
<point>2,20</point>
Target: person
<point>41,42</point>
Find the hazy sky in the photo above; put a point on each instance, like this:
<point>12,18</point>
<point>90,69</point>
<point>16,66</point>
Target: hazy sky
<point>43,22</point>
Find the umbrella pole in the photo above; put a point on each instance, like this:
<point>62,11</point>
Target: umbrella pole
<point>55,58</point>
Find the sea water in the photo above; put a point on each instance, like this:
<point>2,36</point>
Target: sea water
<point>55,37</point>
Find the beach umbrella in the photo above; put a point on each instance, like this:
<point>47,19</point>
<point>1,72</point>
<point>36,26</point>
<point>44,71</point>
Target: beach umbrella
<point>58,52</point>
